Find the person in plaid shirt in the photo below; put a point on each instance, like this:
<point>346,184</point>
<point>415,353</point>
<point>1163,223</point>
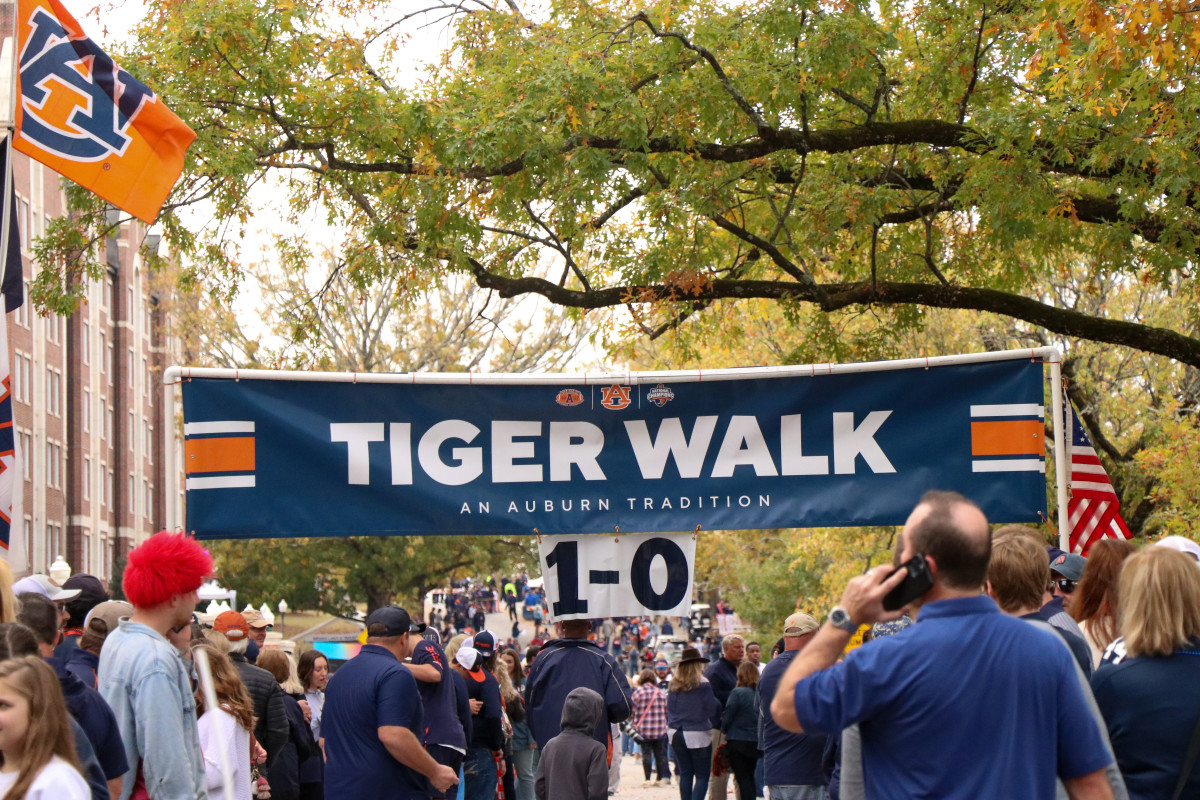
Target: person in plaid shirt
<point>650,719</point>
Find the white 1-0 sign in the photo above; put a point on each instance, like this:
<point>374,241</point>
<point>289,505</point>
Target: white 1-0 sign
<point>599,575</point>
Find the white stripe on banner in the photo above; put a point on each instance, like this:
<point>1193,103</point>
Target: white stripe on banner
<point>1009,410</point>
<point>1091,469</point>
<point>229,426</point>
<point>224,482</point>
<point>1080,450</point>
<point>1010,465</point>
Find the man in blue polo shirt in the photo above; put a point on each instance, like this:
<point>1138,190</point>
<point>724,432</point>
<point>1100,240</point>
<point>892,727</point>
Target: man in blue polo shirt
<point>967,703</point>
<point>372,721</point>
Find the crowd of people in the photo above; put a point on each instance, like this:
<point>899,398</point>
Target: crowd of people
<point>1015,671</point>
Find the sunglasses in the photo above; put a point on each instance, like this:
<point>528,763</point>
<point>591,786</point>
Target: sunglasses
<point>1065,586</point>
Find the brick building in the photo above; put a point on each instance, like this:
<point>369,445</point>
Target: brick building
<point>88,401</point>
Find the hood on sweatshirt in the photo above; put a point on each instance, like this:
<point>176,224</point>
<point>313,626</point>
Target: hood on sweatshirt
<point>582,711</point>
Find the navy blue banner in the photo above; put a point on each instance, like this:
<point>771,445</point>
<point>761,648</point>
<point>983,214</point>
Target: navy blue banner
<point>279,458</point>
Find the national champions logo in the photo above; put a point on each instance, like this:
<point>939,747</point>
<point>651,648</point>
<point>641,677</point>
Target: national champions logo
<point>660,395</point>
<point>90,125</point>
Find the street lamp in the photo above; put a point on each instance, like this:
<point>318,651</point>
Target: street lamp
<point>60,570</point>
<point>283,609</point>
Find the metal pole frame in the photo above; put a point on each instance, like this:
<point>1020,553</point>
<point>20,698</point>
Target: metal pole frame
<point>175,375</point>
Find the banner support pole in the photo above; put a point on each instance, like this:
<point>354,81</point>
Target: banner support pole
<point>1062,466</point>
<point>174,522</point>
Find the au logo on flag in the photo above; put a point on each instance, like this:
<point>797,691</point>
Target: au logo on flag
<point>89,120</point>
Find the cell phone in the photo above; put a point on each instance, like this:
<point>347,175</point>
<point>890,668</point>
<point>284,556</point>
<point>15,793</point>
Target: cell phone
<point>917,582</point>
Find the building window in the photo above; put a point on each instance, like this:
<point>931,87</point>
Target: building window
<point>108,425</point>
<point>129,298</point>
<point>24,314</point>
<point>131,433</point>
<point>23,222</point>
<point>27,530</point>
<point>18,382</point>
<point>87,550</point>
<point>86,341</point>
<point>87,478</point>
<point>27,455</point>
<point>108,489</point>
<point>146,372</point>
<point>132,496</point>
<point>148,491</point>
<point>54,465</point>
<point>53,392</point>
<point>87,410</point>
<point>131,372</point>
<point>103,349</point>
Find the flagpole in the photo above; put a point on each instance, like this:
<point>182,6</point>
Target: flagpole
<point>1062,467</point>
<point>8,121</point>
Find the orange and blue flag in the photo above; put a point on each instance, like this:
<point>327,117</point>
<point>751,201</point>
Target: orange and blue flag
<point>91,121</point>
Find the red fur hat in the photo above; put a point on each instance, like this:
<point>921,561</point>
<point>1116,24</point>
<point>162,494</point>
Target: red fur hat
<point>165,565</point>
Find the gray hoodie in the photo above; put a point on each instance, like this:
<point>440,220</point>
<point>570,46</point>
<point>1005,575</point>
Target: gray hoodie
<point>573,764</point>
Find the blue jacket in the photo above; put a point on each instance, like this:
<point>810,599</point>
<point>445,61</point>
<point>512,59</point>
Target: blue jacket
<point>694,710</point>
<point>722,674</point>
<point>739,720</point>
<point>83,665</point>
<point>144,681</point>
<point>566,664</point>
<point>88,708</point>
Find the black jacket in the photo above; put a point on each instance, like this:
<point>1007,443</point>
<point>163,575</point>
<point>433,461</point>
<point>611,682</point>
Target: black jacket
<point>271,725</point>
<point>285,773</point>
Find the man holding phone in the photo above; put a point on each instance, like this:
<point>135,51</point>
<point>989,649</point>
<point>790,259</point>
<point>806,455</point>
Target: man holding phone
<point>967,703</point>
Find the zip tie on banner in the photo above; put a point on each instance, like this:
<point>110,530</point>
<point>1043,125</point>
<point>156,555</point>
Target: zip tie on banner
<point>354,378</point>
<point>236,379</point>
<point>538,535</point>
<point>927,361</point>
<point>696,535</point>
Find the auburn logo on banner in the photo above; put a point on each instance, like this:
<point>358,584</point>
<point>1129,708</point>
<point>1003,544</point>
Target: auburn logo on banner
<point>91,121</point>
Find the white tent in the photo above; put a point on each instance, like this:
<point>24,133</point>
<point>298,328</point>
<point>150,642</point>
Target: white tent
<point>215,591</point>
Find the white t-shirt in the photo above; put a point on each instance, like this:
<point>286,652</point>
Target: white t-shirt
<point>58,780</point>
<point>218,728</point>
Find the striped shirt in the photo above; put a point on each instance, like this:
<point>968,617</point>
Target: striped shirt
<point>650,711</point>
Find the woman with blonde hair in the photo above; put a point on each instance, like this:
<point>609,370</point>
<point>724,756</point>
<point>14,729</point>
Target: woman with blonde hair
<point>35,738</point>
<point>1150,697</point>
<point>1094,599</point>
<point>692,713</point>
<point>230,725</point>
<point>8,600</point>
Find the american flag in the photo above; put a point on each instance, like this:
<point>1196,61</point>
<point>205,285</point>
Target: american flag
<point>1094,510</point>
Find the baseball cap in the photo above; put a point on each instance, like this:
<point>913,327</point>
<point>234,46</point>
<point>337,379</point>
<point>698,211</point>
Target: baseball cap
<point>255,619</point>
<point>232,624</point>
<point>392,621</point>
<point>1069,565</point>
<point>91,590</point>
<point>799,624</point>
<point>106,615</point>
<point>485,643</point>
<point>1181,544</point>
<point>41,584</point>
<point>467,657</point>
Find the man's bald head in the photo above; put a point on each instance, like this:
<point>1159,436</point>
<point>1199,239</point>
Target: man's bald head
<point>951,530</point>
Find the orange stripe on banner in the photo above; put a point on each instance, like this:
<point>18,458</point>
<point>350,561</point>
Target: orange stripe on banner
<point>1007,438</point>
<point>230,454</point>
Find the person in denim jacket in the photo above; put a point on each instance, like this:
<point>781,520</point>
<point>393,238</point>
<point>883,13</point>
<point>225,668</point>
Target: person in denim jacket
<point>143,678</point>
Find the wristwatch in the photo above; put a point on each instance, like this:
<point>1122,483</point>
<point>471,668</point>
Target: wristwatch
<point>839,618</point>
